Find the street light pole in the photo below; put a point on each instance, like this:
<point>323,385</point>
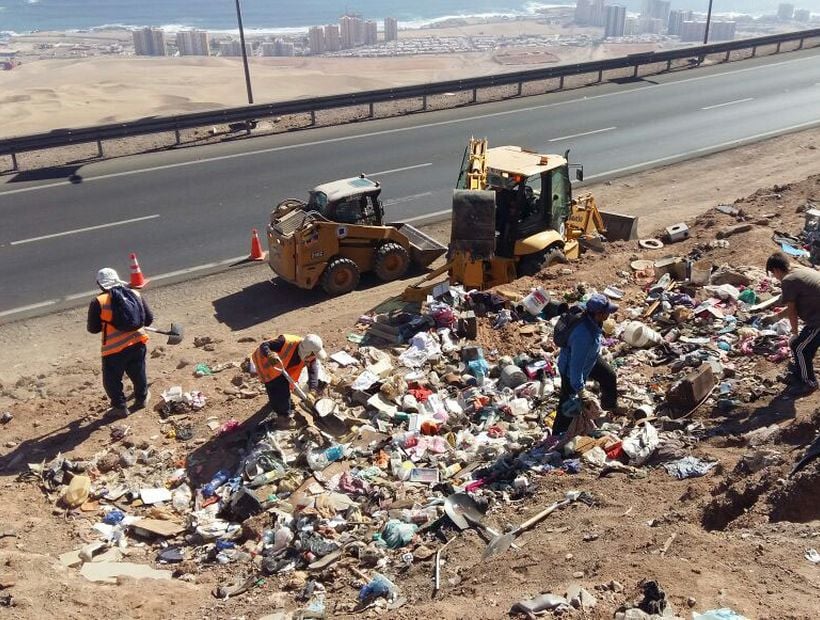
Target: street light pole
<point>244,53</point>
<point>708,21</point>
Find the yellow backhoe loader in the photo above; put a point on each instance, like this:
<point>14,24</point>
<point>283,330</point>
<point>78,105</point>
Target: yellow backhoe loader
<point>513,214</point>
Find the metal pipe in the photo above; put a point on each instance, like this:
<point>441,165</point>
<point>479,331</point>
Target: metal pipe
<point>244,52</point>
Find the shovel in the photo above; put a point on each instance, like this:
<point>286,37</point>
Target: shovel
<point>463,511</point>
<point>174,334</point>
<point>306,403</point>
<point>500,544</point>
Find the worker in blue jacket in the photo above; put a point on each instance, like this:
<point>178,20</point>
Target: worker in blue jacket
<point>581,361</point>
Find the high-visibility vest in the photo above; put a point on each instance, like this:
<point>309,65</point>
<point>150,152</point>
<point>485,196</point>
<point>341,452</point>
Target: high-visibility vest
<point>113,340</point>
<point>266,369</point>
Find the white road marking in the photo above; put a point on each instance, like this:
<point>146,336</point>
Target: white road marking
<point>382,132</point>
<point>42,304</point>
<point>426,216</point>
<point>578,135</point>
<point>723,105</point>
<point>411,198</point>
<point>704,149</point>
<point>383,172</point>
<point>86,229</point>
<point>89,294</point>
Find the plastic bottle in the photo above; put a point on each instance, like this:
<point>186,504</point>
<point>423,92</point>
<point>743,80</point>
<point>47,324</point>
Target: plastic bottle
<point>220,478</point>
<point>181,499</point>
<point>378,586</point>
<point>320,460</point>
<point>113,517</point>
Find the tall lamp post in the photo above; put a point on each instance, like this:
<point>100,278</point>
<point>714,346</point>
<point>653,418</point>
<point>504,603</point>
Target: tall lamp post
<point>245,53</point>
<point>705,34</point>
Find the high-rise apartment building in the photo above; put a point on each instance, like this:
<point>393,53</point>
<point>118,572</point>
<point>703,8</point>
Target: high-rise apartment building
<point>675,21</point>
<point>371,33</point>
<point>333,41</point>
<point>351,29</point>
<point>722,31</point>
<point>583,12</point>
<point>615,21</point>
<point>391,29</point>
<point>149,42</point>
<point>785,11</point>
<point>279,47</point>
<point>316,40</point>
<point>692,31</point>
<point>193,43</point>
<point>656,9</point>
<point>597,14</point>
<point>802,15</point>
<point>234,48</point>
<point>651,25</point>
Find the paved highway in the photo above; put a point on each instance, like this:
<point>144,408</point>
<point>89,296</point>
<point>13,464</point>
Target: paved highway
<point>191,210</point>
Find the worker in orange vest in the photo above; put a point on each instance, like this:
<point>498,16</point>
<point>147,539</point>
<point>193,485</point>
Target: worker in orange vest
<point>123,352</point>
<point>292,354</point>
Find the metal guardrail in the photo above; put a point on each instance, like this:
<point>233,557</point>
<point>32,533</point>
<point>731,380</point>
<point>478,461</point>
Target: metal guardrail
<point>84,135</point>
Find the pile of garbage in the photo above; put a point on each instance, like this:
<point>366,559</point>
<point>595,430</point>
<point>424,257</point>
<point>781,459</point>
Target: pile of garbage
<point>427,426</point>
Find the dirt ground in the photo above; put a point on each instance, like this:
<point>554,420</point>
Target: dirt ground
<point>729,539</point>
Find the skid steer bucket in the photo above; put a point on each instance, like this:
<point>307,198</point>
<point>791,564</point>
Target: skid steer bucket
<point>423,249</point>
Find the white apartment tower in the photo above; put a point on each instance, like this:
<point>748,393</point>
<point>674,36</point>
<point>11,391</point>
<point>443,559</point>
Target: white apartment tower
<point>149,42</point>
<point>333,40</point>
<point>316,37</point>
<point>351,28</point>
<point>391,29</point>
<point>193,43</point>
<point>615,21</point>
<point>371,33</point>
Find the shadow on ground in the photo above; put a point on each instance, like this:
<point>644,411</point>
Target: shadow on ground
<point>264,301</point>
<point>47,446</point>
<point>67,172</point>
<point>225,451</point>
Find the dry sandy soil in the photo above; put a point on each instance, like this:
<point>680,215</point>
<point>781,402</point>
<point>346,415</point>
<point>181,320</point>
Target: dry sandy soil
<point>80,92</point>
<point>730,539</point>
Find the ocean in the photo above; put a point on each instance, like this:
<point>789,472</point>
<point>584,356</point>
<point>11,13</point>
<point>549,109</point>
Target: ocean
<point>273,15</point>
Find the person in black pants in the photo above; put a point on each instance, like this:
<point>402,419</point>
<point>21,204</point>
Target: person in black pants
<point>800,288</point>
<point>123,352</point>
<point>581,361</point>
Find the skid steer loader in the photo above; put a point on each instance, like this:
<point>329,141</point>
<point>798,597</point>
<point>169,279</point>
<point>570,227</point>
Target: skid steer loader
<point>338,234</point>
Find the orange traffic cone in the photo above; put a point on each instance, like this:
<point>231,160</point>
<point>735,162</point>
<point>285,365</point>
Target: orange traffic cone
<point>137,279</point>
<point>256,247</point>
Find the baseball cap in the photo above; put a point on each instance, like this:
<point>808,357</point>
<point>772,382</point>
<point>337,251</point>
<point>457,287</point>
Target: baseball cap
<point>600,303</point>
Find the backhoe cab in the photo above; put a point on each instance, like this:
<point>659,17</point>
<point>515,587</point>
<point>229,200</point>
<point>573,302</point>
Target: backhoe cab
<point>509,214</point>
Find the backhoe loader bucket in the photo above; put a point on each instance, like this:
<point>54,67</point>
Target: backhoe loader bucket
<point>473,226</point>
<point>619,227</point>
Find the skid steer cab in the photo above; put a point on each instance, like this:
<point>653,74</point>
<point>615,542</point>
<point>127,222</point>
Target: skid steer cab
<point>339,234</point>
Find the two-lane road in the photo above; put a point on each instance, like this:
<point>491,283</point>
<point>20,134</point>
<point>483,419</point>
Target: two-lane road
<point>192,209</point>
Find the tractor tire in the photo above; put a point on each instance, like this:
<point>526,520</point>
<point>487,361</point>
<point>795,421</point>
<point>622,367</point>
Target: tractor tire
<point>340,276</point>
<point>531,265</point>
<point>392,262</point>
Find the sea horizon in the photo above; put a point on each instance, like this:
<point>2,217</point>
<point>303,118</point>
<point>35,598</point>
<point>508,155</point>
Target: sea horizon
<point>263,16</point>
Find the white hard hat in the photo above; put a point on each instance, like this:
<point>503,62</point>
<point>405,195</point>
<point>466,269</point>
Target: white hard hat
<point>312,345</point>
<point>108,278</point>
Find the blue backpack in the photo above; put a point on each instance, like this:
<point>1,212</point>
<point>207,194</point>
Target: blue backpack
<point>127,311</point>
